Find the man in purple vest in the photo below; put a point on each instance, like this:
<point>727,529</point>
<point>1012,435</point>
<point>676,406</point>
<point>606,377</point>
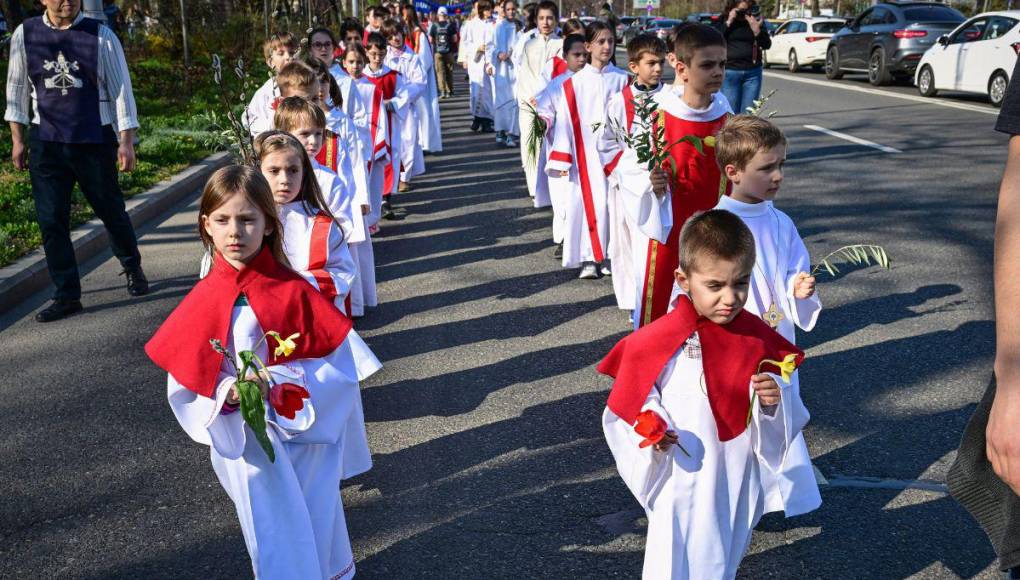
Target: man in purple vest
<point>72,72</point>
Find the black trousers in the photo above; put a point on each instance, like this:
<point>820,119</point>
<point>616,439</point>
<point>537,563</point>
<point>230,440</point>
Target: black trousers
<point>54,169</point>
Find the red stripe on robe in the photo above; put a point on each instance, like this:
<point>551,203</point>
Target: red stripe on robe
<point>318,253</point>
<point>386,86</point>
<point>582,171</point>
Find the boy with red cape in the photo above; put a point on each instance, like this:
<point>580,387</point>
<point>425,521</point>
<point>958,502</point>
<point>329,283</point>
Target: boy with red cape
<point>695,411</point>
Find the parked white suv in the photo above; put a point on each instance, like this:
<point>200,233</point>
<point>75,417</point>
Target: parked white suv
<point>802,42</point>
<point>976,57</point>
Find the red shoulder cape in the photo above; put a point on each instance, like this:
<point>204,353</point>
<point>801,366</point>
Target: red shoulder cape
<point>282,301</point>
<point>730,355</point>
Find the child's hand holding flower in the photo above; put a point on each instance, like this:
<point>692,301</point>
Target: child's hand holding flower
<point>766,388</point>
<point>803,286</point>
<point>668,438</point>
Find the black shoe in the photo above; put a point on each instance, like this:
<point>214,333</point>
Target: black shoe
<point>558,252</point>
<point>137,283</point>
<point>488,126</point>
<point>387,211</point>
<point>59,309</point>
<point>476,124</point>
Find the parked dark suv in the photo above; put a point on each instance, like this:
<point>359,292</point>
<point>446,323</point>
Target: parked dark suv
<point>888,39</point>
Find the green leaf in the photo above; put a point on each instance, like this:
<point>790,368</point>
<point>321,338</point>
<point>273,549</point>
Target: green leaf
<point>253,411</point>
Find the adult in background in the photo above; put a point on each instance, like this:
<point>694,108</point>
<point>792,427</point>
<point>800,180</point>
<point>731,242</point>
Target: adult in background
<point>444,38</point>
<point>72,72</point>
<point>746,39</point>
<point>985,478</point>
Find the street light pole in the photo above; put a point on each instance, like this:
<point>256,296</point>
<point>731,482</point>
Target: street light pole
<point>184,35</point>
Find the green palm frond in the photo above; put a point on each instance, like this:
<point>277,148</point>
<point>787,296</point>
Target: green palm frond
<point>758,107</point>
<point>535,136</point>
<point>856,254</point>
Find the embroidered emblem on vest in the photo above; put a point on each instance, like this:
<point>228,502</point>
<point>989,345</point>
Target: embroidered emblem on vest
<point>63,80</point>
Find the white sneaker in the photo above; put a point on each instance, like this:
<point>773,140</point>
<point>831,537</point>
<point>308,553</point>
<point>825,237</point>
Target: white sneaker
<point>588,271</point>
<point>604,269</point>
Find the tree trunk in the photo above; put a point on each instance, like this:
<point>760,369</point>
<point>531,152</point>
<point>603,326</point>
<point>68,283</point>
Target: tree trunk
<point>815,8</point>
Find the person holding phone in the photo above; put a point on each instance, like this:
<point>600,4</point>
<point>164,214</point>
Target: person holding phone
<point>743,26</point>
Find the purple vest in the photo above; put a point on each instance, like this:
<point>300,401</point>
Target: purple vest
<point>63,66</point>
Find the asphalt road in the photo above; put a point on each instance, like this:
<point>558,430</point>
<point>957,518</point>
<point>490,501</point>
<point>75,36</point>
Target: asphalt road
<point>485,422</point>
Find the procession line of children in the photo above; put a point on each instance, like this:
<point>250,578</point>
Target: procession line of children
<point>705,432</point>
<point>338,129</point>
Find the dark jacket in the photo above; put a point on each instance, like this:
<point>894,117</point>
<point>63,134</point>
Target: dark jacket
<point>743,48</point>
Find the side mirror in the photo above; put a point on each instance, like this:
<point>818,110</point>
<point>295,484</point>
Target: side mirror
<point>943,40</point>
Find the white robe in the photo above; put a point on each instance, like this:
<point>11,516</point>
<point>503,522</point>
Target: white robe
<point>574,144</point>
<point>401,103</point>
<point>628,245</point>
<point>290,510</point>
<point>259,113</point>
<point>529,83</point>
<point>356,108</point>
<point>474,35</point>
<point>782,255</point>
<point>560,192</point>
<point>504,77</point>
<point>701,509</point>
<point>427,107</point>
<point>412,161</point>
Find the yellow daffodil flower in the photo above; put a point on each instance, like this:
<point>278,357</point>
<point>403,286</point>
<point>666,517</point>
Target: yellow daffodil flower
<point>709,141</point>
<point>786,367</point>
<point>285,346</point>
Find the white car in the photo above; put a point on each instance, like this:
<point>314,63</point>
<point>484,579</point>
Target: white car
<point>802,42</point>
<point>977,57</point>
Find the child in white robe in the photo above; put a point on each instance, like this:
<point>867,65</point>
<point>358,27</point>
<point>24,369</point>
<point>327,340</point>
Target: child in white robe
<point>402,60</point>
<point>628,245</point>
<point>581,106</point>
<point>501,68</point>
<point>782,291</point>
<point>692,416</point>
<point>290,509</point>
<point>427,107</point>
<point>475,38</point>
<point>278,50</point>
<point>535,52</point>
<point>396,100</point>
<point>561,191</point>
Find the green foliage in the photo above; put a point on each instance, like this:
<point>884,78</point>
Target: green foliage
<point>857,254</point>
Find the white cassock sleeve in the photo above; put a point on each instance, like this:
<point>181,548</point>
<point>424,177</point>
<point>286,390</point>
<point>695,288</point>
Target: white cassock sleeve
<point>560,155</point>
<point>773,430</point>
<point>339,265</point>
<point>652,214</point>
<point>425,53</point>
<point>357,173</point>
<point>803,312</point>
<point>358,111</point>
<point>416,83</point>
<point>259,113</point>
<point>401,97</point>
<point>644,471</point>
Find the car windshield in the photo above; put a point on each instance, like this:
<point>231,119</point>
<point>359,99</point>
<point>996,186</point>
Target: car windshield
<point>665,23</point>
<point>827,27</point>
<point>931,14</point>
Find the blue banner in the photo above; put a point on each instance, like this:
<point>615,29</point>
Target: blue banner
<point>427,7</point>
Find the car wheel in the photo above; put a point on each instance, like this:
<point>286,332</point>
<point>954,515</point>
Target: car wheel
<point>792,63</point>
<point>997,88</point>
<point>926,82</point>
<point>878,72</point>
<point>832,71</point>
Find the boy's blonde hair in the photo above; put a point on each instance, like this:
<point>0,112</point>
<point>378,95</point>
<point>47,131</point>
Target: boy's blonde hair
<point>716,235</point>
<point>277,40</point>
<point>295,113</point>
<point>296,75</point>
<point>742,137</point>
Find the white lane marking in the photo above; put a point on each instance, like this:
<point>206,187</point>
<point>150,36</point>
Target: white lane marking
<point>852,139</point>
<point>915,98</point>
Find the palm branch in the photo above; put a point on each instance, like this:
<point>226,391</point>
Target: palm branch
<point>535,136</point>
<point>856,254</point>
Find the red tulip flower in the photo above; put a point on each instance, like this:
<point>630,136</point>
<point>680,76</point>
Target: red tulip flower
<point>650,426</point>
<point>287,399</point>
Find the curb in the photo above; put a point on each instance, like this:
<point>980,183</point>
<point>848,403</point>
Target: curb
<point>28,274</point>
